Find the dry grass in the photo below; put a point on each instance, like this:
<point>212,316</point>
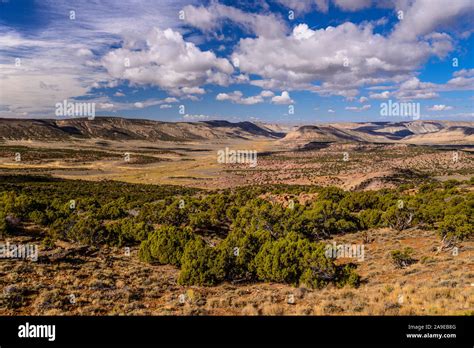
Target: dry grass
<point>110,283</point>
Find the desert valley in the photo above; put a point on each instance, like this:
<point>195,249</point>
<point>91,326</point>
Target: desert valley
<point>111,202</point>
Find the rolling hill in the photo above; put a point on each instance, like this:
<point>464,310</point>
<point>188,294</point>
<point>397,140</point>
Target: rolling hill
<point>115,128</point>
<point>123,129</point>
<point>414,132</point>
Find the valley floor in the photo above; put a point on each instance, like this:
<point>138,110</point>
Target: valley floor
<point>346,165</point>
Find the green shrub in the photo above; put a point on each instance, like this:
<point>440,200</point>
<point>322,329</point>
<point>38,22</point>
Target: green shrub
<point>239,250</point>
<point>281,260</point>
<point>201,264</point>
<point>370,218</point>
<point>324,218</point>
<point>60,228</point>
<point>88,231</point>
<point>458,226</point>
<point>126,231</point>
<point>38,217</point>
<point>317,269</point>
<point>402,259</point>
<point>3,225</point>
<point>165,245</point>
<point>112,210</point>
<point>295,260</point>
<point>397,218</point>
<point>357,201</point>
<point>259,214</point>
<point>176,215</point>
<point>347,275</point>
<point>331,193</point>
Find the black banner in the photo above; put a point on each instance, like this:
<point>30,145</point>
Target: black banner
<point>224,331</point>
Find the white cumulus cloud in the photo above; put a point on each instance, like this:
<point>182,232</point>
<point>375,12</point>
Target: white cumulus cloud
<point>213,16</point>
<point>357,108</point>
<point>169,62</point>
<point>440,107</point>
<point>284,98</point>
<point>381,95</point>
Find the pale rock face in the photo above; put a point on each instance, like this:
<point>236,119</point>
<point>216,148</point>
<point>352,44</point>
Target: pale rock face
<point>427,132</point>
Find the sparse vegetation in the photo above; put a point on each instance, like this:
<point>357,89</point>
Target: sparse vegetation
<point>230,235</point>
<point>402,258</point>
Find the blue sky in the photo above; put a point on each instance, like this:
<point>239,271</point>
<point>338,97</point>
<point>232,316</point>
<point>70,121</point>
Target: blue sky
<point>289,61</point>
